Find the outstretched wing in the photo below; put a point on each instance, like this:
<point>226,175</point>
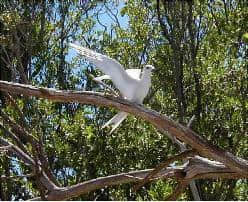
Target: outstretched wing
<point>109,66</point>
<point>134,73</point>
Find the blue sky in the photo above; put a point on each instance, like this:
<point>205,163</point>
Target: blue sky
<point>107,20</point>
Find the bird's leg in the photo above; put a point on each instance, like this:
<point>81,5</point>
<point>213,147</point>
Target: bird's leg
<point>107,87</point>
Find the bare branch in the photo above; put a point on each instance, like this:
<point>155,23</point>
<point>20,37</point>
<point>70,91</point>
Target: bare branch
<point>194,190</point>
<point>164,28</point>
<point>3,177</point>
<point>113,15</point>
<point>215,18</point>
<point>18,55</point>
<point>46,182</point>
<point>4,148</point>
<point>91,185</point>
<point>13,102</point>
<point>162,122</point>
<point>179,189</point>
<point>14,138</point>
<point>163,165</point>
<point>192,184</point>
<point>37,149</point>
<point>20,131</point>
<point>39,174</point>
<point>44,163</point>
<point>17,151</point>
<point>177,172</point>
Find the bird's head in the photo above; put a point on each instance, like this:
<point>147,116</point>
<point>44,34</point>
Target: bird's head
<point>148,68</point>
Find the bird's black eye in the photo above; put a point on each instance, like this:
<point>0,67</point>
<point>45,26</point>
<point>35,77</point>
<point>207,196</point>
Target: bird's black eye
<point>147,67</point>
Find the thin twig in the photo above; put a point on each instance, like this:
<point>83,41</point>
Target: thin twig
<point>13,102</point>
<point>183,148</point>
<point>18,54</point>
<point>3,177</point>
<point>9,134</point>
<point>18,130</point>
<point>179,189</point>
<point>45,164</point>
<point>14,149</point>
<point>4,148</point>
<point>7,55</point>
<point>191,121</point>
<point>164,165</point>
<point>104,84</point>
<point>192,184</point>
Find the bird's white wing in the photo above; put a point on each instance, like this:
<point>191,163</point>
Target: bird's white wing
<point>110,67</point>
<point>134,73</point>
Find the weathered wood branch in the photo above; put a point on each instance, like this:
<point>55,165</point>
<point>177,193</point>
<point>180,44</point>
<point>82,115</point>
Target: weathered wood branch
<point>162,122</point>
<point>196,169</point>
<point>18,142</point>
<point>101,182</point>
<point>17,151</point>
<point>36,144</point>
<point>26,158</point>
<point>163,165</point>
<point>17,129</point>
<point>193,188</point>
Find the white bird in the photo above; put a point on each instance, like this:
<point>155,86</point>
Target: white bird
<point>132,84</point>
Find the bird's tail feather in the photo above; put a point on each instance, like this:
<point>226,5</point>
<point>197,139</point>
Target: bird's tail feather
<point>116,120</point>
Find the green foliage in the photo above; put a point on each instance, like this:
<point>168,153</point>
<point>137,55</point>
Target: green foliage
<point>245,37</point>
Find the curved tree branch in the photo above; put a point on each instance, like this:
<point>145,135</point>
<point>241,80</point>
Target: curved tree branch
<point>195,168</point>
<point>161,122</point>
<point>17,151</point>
<point>177,192</point>
<point>185,173</point>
